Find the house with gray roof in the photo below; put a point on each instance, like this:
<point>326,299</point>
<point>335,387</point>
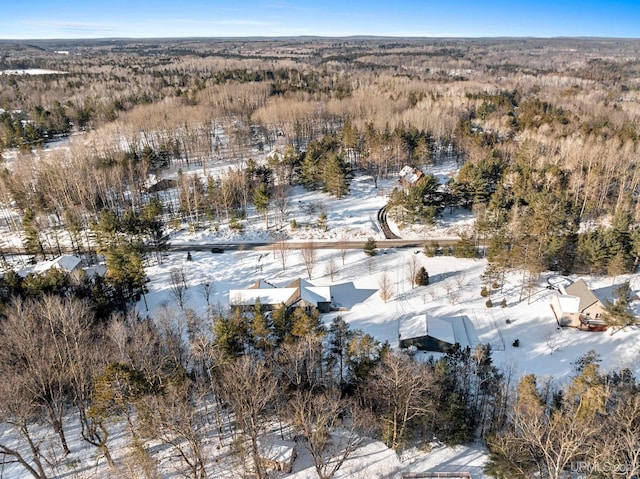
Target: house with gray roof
<point>578,307</point>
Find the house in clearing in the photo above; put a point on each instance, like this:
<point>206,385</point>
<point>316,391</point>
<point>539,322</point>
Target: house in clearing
<point>429,333</point>
<point>297,294</point>
<point>409,176</point>
<point>67,263</point>
<point>577,307</point>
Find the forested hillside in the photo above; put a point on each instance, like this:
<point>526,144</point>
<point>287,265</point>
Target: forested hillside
<point>548,138</point>
<point>131,139</point>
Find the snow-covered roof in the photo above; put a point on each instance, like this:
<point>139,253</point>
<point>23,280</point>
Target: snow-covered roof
<point>67,262</point>
<point>267,293</point>
<point>439,329</point>
<point>99,270</point>
<point>568,303</point>
<point>249,297</point>
<point>413,327</point>
<point>322,292</point>
<point>425,325</point>
<point>409,174</point>
<point>261,284</point>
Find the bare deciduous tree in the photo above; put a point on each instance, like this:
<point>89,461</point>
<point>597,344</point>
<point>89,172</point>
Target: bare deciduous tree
<point>281,250</point>
<point>177,418</point>
<point>309,256</point>
<point>343,247</point>
<point>331,427</point>
<point>385,287</point>
<point>399,388</point>
<point>331,268</point>
<point>622,433</point>
<point>250,388</point>
<point>178,286</point>
<point>20,414</point>
<point>412,270</point>
<point>281,201</point>
<point>207,288</point>
<point>551,439</point>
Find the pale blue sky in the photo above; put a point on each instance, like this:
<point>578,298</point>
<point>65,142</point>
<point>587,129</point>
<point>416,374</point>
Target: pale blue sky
<point>199,18</point>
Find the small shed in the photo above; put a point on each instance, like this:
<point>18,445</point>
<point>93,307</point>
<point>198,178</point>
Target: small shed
<point>277,455</point>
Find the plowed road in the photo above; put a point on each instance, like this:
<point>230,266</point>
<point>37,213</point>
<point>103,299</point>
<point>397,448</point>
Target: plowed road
<point>416,243</point>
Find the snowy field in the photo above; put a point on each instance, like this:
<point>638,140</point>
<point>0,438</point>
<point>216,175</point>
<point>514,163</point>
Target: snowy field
<point>544,349</point>
<point>455,287</point>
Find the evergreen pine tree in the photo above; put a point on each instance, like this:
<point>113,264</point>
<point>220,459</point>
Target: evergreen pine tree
<point>309,171</point>
<point>618,314</point>
<point>32,243</point>
<point>339,336</point>
<point>154,228</point>
<point>422,277</point>
<point>370,247</point>
<point>335,176</point>
<point>322,221</point>
<point>465,247</point>
<point>261,201</point>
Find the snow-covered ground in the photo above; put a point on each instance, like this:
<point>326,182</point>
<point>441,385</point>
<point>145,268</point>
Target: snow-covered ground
<point>544,348</point>
<point>455,286</point>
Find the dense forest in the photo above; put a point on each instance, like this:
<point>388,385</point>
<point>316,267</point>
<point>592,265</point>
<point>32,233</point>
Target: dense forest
<point>546,135</point>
